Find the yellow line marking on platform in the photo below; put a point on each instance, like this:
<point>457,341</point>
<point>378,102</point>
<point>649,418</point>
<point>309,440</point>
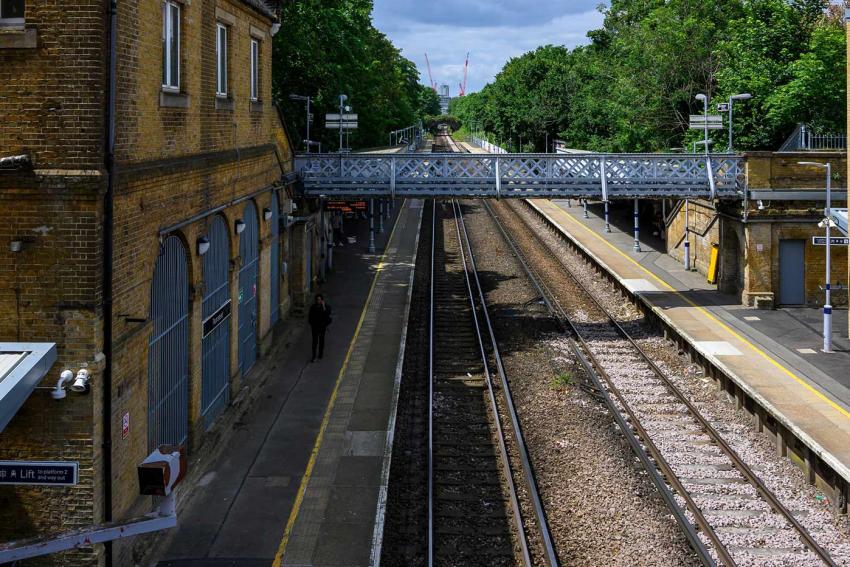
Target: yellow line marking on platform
<point>302,488</point>
<point>708,314</point>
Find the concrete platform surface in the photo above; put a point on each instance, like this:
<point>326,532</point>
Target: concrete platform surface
<point>338,514</point>
<point>809,393</point>
<point>243,501</point>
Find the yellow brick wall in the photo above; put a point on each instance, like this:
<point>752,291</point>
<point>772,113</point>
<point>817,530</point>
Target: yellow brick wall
<point>172,165</point>
<point>704,231</point>
<point>150,131</point>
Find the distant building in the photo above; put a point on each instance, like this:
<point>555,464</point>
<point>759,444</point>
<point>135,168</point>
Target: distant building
<point>204,263</point>
<point>445,99</point>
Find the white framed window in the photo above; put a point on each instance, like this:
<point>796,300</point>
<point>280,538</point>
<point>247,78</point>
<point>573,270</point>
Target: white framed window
<point>221,59</point>
<point>12,12</point>
<point>171,45</point>
<point>255,69</point>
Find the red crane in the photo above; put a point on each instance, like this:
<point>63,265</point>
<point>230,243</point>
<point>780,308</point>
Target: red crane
<point>465,74</point>
<point>430,77</point>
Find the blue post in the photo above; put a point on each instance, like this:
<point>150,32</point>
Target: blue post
<point>637,227</point>
<point>607,224</point>
<point>587,216</point>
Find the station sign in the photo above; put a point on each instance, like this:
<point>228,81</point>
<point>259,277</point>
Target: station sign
<point>343,206</point>
<point>344,121</point>
<point>723,107</point>
<point>39,473</point>
<point>700,121</point>
<point>212,322</point>
<point>833,241</point>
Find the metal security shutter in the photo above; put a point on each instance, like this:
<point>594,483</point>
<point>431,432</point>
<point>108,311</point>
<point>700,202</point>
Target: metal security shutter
<point>168,356</point>
<point>275,262</point>
<point>249,252</point>
<point>215,348</point>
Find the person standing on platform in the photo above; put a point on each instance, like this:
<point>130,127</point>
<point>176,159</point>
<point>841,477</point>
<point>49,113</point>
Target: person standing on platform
<point>319,319</point>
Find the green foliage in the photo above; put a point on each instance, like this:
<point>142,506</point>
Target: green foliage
<point>562,380</point>
<point>329,47</point>
<point>432,123</point>
<point>632,88</point>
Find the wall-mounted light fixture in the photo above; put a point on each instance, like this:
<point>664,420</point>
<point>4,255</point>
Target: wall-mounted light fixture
<point>239,225</point>
<point>16,245</point>
<point>203,245</point>
<point>81,382</point>
<point>267,213</point>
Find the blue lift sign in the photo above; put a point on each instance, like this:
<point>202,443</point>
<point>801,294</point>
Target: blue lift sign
<point>833,240</point>
<point>42,473</point>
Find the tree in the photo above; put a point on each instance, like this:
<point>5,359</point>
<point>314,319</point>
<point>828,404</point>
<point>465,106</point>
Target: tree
<point>330,47</point>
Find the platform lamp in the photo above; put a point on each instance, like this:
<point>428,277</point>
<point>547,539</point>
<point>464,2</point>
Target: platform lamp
<point>826,223</point>
<point>732,99</point>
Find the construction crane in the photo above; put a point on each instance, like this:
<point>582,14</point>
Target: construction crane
<point>465,74</point>
<point>430,77</point>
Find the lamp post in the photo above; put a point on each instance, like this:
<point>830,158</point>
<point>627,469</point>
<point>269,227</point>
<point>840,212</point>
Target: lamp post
<point>342,108</point>
<point>827,222</point>
<point>704,99</point>
<point>732,99</point>
<point>307,99</point>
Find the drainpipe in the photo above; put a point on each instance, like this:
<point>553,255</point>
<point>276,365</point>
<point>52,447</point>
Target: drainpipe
<point>108,206</point>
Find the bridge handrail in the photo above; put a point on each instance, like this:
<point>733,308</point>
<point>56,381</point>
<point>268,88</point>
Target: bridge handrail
<point>621,170</point>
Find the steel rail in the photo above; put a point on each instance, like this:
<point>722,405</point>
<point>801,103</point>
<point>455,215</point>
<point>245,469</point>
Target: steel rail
<point>594,370</point>
<point>550,556</point>
<point>739,464</point>
<point>517,514</point>
<point>503,449</point>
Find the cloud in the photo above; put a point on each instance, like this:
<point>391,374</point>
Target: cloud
<point>492,31</point>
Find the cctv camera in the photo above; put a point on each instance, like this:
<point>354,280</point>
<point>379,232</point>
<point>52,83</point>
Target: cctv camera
<point>81,382</point>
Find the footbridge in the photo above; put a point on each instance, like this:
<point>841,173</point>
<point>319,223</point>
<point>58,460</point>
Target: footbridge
<point>594,176</point>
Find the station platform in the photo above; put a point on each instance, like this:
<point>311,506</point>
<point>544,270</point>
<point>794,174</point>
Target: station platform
<point>338,514</point>
<point>301,475</point>
<point>773,356</point>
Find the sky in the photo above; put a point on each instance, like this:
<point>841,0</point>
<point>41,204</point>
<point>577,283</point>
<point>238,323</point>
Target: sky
<point>492,31</point>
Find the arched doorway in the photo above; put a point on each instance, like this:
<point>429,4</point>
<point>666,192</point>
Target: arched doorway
<point>215,342</point>
<point>249,252</point>
<point>274,295</point>
<point>168,354</point>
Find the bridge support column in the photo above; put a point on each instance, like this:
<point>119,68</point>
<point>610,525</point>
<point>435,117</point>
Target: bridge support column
<point>380,216</point>
<point>637,227</point>
<point>371,226</point>
<point>607,224</point>
<point>587,216</point>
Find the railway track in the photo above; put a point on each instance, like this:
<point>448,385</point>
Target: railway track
<point>474,511</point>
<point>728,514</point>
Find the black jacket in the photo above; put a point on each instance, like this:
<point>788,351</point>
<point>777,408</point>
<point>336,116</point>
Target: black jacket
<point>320,316</point>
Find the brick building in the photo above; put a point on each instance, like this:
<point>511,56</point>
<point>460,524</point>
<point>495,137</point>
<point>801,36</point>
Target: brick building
<point>766,252</point>
<point>146,179</point>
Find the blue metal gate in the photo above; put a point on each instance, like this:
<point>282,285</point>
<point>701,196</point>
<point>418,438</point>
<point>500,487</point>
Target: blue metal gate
<point>215,347</point>
<point>249,252</point>
<point>168,355</point>
<point>275,262</point>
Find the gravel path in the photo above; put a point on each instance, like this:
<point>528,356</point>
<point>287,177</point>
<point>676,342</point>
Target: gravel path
<point>747,527</point>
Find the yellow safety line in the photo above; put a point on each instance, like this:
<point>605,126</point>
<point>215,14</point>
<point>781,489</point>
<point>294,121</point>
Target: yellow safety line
<point>302,488</point>
<point>708,314</point>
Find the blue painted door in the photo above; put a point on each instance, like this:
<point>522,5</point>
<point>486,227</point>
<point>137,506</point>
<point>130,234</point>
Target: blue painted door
<point>215,330</point>
<point>275,262</point>
<point>168,349</point>
<point>792,272</point>
<point>249,252</point>
<point>308,272</point>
